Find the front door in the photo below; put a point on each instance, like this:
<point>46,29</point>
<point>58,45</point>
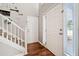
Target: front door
<point>55,30</point>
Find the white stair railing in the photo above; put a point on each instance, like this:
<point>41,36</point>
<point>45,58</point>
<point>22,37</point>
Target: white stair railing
<point>11,31</point>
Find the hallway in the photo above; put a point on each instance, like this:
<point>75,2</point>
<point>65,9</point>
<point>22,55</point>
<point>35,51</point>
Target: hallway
<point>39,29</point>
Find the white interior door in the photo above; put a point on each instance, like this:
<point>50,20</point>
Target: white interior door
<point>32,29</point>
<point>55,30</point>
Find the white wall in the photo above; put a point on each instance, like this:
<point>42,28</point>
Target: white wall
<point>27,9</point>
<point>43,9</point>
<point>6,50</point>
<point>30,9</point>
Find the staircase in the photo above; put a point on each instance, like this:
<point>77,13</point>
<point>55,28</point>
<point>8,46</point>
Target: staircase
<point>11,34</point>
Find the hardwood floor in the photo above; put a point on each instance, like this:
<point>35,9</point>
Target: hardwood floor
<point>36,49</point>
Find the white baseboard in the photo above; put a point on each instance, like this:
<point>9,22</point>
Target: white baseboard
<point>20,54</point>
<point>46,47</point>
<point>31,42</point>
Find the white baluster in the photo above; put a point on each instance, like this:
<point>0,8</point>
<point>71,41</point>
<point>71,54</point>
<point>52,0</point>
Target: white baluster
<point>24,39</point>
<point>18,36</point>
<point>15,34</point>
<point>3,27</point>
<point>11,32</point>
<point>7,29</point>
<point>21,37</point>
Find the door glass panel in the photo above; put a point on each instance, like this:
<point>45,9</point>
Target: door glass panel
<point>69,44</point>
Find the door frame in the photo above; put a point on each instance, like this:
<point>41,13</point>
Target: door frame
<point>44,29</point>
<point>76,26</point>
